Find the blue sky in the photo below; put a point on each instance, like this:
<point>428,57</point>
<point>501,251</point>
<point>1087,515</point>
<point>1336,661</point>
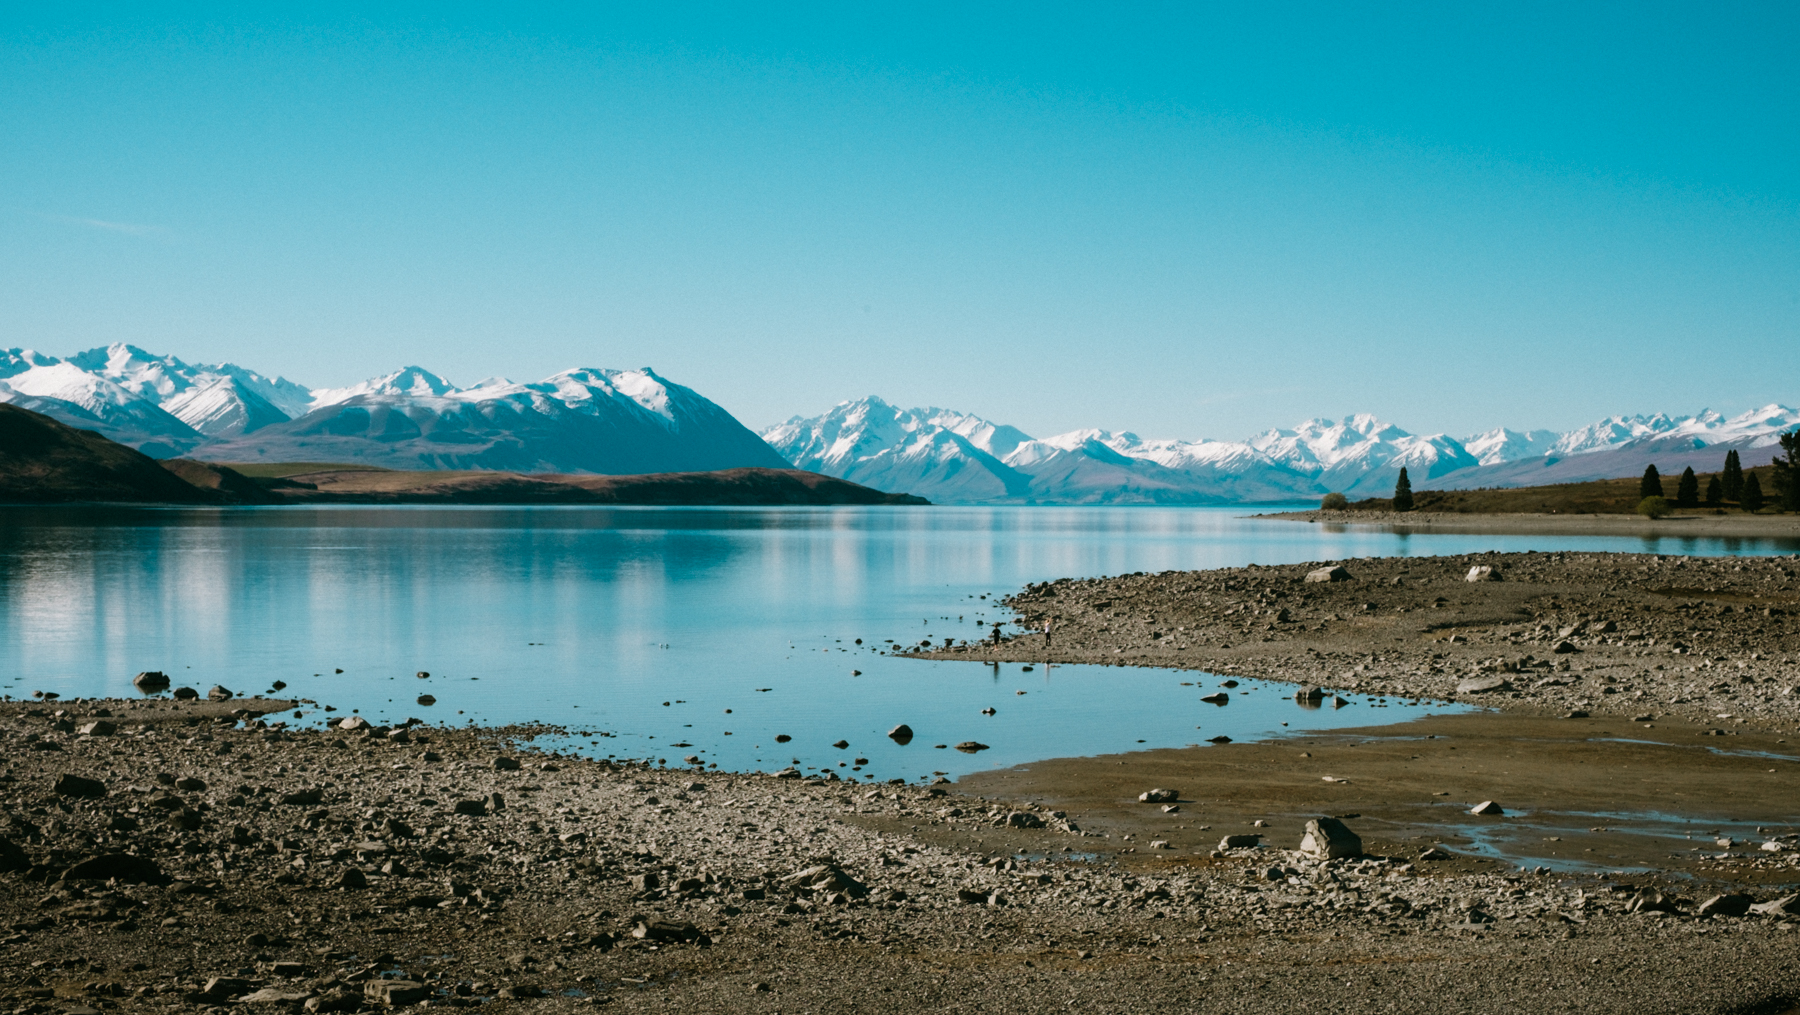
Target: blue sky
<point>1176,219</point>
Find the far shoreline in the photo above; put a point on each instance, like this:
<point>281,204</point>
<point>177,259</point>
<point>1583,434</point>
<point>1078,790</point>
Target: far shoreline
<point>1669,527</point>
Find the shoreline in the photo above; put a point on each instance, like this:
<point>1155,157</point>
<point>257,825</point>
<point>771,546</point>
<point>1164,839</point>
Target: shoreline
<point>1695,526</point>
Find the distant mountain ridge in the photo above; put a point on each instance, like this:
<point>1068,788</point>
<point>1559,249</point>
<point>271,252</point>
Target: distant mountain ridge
<point>617,422</point>
<point>954,457</point>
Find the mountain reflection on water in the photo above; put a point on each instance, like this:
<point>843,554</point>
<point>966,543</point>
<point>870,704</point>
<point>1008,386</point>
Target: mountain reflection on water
<point>743,621</point>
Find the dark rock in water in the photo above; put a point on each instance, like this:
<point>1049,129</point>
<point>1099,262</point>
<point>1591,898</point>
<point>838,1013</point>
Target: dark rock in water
<point>186,694</point>
<point>782,738</point>
<point>1310,693</point>
<point>1216,698</point>
<point>124,866</point>
<point>151,681</point>
<point>423,674</point>
<point>1220,740</point>
<point>841,744</point>
<point>218,692</point>
<point>971,746</point>
<point>427,700</point>
<point>901,734</point>
<point>789,773</point>
<point>279,685</point>
<point>75,785</point>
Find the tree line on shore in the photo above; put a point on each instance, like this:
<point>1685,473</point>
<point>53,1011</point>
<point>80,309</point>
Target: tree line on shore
<point>1732,486</point>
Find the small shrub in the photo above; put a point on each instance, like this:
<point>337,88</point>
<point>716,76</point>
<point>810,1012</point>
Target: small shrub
<point>1334,502</point>
<point>1653,507</point>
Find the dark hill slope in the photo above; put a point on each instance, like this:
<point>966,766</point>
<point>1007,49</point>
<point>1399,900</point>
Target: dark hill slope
<point>43,460</point>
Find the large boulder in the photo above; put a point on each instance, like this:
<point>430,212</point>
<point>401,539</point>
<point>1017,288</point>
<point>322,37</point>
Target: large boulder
<point>1334,573</point>
<point>1330,839</point>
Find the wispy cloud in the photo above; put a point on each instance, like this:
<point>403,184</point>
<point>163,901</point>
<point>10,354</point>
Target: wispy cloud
<point>128,228</point>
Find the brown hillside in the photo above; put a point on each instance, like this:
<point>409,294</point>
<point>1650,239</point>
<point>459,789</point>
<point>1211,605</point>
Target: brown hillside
<point>44,461</point>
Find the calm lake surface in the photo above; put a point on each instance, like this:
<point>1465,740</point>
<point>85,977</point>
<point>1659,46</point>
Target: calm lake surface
<point>671,631</point>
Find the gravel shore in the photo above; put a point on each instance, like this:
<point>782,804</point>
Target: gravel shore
<point>188,856</point>
<point>1706,640</point>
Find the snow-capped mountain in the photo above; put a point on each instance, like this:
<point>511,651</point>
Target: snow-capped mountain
<point>585,420</point>
<point>1502,445</point>
<point>924,451</point>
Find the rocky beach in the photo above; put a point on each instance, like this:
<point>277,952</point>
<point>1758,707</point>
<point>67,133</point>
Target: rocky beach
<point>219,855</point>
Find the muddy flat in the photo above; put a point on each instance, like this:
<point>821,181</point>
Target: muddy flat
<point>1575,794</point>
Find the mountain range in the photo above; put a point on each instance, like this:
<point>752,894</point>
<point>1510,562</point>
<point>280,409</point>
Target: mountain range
<point>623,422</point>
<point>579,421</point>
<point>956,457</point>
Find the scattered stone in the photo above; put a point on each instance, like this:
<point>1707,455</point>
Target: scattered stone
<point>98,728</point>
<point>971,746</point>
<point>77,786</point>
<point>1487,809</point>
<point>1650,900</point>
<point>218,692</point>
<point>667,931</point>
<point>123,866</point>
<point>274,995</point>
<point>506,764</point>
<point>1734,904</point>
<point>304,797</point>
<point>1330,839</point>
<point>1563,648</point>
<point>471,808</point>
<point>1216,698</point>
<point>1334,573</point>
<point>1159,796</point>
<point>427,700</point>
<point>841,744</point>
<point>901,734</point>
<point>1024,819</point>
<point>186,694</point>
<point>352,878</point>
<point>1240,841</point>
<point>1483,573</point>
<point>1437,853</point>
<point>1482,685</point>
<point>1787,905</point>
<point>395,992</point>
<point>1309,693</point>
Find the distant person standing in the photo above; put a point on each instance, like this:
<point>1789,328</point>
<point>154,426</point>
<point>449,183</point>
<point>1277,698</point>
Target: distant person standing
<point>996,634</point>
<point>1046,632</point>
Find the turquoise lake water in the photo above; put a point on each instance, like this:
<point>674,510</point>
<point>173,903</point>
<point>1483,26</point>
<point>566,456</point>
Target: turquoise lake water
<point>744,621</point>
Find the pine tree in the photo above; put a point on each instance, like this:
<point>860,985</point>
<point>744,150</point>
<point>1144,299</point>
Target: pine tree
<point>1732,477</point>
<point>1403,499</point>
<point>1687,489</point>
<point>1651,484</point>
<point>1715,492</point>
<point>1752,499</point>
<point>1787,472</point>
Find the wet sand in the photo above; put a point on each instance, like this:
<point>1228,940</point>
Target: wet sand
<point>1578,794</point>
